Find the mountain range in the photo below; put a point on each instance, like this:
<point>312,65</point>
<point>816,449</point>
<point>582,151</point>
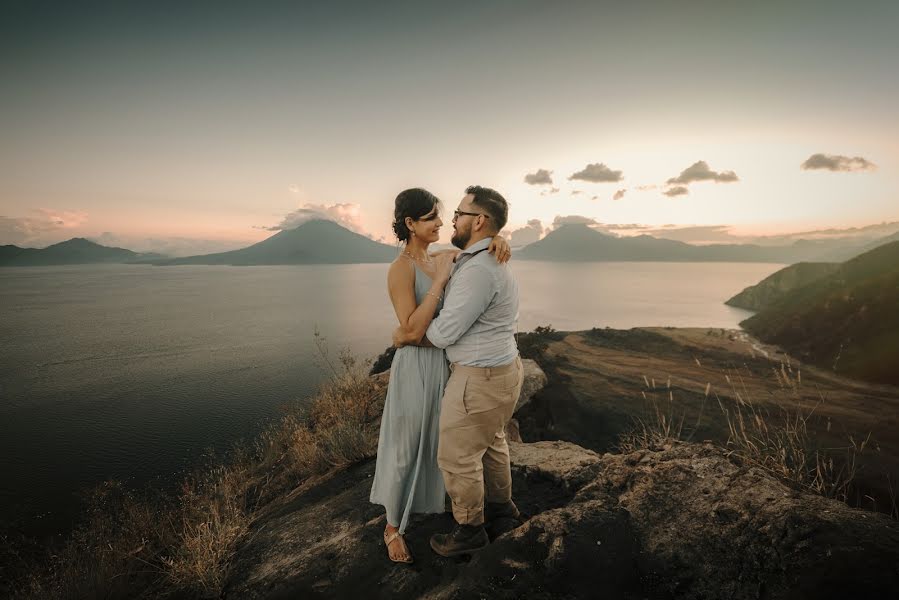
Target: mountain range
<point>326,242</point>
<point>313,242</point>
<point>581,243</point>
<point>75,251</point>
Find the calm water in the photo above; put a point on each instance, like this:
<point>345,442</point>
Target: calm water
<point>130,372</point>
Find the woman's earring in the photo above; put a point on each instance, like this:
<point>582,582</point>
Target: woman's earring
<point>412,231</point>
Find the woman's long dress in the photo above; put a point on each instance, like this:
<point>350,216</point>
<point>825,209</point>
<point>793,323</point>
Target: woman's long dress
<point>407,479</point>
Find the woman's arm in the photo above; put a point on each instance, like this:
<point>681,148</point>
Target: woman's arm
<point>414,319</point>
<point>453,251</point>
<point>500,248</point>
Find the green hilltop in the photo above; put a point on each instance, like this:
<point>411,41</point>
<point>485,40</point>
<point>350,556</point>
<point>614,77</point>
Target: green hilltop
<point>846,321</point>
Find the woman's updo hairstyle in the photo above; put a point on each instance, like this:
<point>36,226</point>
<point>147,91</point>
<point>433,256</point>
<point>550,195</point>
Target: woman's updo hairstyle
<point>414,203</point>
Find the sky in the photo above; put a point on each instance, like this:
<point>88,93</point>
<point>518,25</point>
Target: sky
<point>188,127</point>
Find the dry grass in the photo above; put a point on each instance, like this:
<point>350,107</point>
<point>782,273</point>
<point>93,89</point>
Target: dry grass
<point>780,440</point>
<point>155,545</point>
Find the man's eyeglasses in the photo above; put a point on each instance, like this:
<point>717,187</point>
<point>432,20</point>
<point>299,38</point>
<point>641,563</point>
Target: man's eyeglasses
<point>459,213</point>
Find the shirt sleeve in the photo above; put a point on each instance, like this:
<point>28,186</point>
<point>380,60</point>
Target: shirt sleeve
<point>469,295</point>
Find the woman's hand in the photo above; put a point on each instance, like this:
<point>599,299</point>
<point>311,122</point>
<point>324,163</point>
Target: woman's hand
<point>399,338</point>
<point>501,249</point>
<point>443,265</point>
<point>452,251</point>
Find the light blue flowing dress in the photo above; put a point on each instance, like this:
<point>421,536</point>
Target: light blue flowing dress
<point>407,479</point>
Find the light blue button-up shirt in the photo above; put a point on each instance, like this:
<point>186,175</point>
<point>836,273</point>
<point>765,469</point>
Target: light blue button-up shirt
<point>479,318</point>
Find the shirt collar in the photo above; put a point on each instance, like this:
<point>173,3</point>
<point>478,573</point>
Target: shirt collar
<point>480,245</point>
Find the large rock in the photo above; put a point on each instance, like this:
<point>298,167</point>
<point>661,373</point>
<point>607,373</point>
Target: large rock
<point>684,522</point>
<point>534,380</point>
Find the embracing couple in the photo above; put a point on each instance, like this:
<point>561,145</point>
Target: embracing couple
<point>442,431</point>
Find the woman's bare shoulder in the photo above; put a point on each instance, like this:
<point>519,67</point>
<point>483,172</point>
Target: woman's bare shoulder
<point>401,269</point>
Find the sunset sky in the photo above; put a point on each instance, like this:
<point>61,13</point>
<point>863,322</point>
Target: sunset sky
<point>193,127</point>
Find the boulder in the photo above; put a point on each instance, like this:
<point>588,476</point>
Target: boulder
<point>534,381</point>
<point>683,521</point>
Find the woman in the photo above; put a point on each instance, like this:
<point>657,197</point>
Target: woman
<point>407,479</point>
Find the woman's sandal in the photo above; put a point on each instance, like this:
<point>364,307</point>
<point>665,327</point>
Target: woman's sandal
<point>390,537</point>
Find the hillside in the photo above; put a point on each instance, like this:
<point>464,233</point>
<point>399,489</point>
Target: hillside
<point>846,321</point>
<point>313,242</point>
<point>776,286</point>
<point>76,251</point>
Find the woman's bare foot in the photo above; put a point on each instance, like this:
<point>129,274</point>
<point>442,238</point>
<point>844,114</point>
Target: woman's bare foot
<point>397,549</point>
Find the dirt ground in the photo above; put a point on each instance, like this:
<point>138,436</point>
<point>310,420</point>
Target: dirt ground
<point>603,380</point>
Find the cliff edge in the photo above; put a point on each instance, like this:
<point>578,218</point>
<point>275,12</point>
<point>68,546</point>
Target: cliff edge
<point>679,521</point>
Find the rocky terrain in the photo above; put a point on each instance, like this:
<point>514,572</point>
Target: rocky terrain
<point>680,520</point>
<point>675,522</point>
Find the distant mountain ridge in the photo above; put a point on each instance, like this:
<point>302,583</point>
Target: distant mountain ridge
<point>314,242</point>
<point>76,251</point>
<point>581,243</point>
<point>325,242</point>
<point>846,321</point>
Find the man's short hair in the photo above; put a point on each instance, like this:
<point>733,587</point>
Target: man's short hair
<point>492,203</point>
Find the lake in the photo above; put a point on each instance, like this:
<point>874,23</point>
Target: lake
<point>129,372</point>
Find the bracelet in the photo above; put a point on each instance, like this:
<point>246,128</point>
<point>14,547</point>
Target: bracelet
<point>438,296</point>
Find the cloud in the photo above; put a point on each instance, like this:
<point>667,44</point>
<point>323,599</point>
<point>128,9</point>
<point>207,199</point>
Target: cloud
<point>694,233</point>
<point>345,215</point>
<point>47,226</point>
<point>646,188</point>
<point>866,233</point>
<point>575,192</point>
<point>724,234</point>
<point>560,221</point>
<point>700,171</point>
<point>677,190</point>
<point>527,234</point>
<point>619,195</point>
<point>625,226</point>
<point>597,173</point>
<point>550,191</point>
<point>837,162</point>
<point>541,177</point>
<point>595,198</point>
<point>294,189</point>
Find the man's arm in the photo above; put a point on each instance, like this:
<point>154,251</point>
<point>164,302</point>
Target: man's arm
<point>469,296</point>
<point>401,337</point>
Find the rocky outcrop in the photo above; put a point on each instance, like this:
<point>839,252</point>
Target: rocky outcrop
<point>534,380</point>
<point>682,521</point>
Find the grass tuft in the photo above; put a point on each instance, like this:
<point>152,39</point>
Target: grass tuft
<point>777,436</point>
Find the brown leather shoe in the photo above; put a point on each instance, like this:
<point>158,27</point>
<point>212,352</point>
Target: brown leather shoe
<point>501,517</point>
<point>501,510</point>
<point>463,539</point>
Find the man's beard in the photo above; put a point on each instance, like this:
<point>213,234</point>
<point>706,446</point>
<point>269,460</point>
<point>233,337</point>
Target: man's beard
<point>460,238</point>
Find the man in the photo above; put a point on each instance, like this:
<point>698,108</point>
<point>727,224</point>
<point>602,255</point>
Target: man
<point>477,328</point>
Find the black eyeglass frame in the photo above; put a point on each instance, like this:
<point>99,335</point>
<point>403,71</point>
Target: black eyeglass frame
<point>459,213</point>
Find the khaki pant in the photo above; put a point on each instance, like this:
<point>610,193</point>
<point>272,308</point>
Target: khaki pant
<point>472,451</point>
